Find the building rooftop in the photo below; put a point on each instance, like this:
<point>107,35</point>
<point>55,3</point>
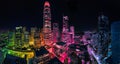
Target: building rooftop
<point>60,43</point>
<point>41,51</point>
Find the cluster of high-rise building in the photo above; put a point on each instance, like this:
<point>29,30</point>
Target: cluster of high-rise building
<point>22,42</point>
<point>21,38</point>
<point>48,35</point>
<point>69,47</point>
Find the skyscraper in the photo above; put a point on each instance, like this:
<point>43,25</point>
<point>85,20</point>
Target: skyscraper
<point>65,24</point>
<point>18,36</point>
<point>65,33</point>
<point>11,38</point>
<point>115,42</point>
<point>104,36</point>
<point>47,23</point>
<point>72,34</point>
<point>56,35</point>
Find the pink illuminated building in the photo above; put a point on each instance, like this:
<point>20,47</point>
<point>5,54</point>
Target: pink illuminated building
<point>56,35</point>
<point>47,24</point>
<point>67,34</point>
<point>72,34</point>
<point>65,24</point>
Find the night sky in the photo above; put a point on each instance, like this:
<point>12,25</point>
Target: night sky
<point>82,14</point>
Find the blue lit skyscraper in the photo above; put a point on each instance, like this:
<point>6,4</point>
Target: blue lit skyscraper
<point>115,36</point>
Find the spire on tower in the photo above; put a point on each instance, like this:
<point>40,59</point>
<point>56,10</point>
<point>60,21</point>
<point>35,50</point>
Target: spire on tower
<point>46,3</point>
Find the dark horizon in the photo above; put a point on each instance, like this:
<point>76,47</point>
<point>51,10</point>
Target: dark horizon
<point>82,14</point>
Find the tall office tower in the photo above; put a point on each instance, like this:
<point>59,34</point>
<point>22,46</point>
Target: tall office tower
<point>65,24</point>
<point>18,36</point>
<point>11,38</point>
<point>42,39</point>
<point>115,42</point>
<point>72,33</point>
<point>56,35</point>
<point>26,39</point>
<point>37,39</point>
<point>31,40</point>
<point>47,23</point>
<point>65,31</point>
<point>104,36</point>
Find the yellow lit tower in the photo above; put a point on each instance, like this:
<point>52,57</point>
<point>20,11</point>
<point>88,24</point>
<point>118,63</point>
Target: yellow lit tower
<point>47,24</point>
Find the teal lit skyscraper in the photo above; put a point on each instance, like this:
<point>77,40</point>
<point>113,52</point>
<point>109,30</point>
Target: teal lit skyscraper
<point>115,36</point>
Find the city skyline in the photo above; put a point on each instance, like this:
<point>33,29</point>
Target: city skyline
<point>57,42</point>
<point>82,14</point>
